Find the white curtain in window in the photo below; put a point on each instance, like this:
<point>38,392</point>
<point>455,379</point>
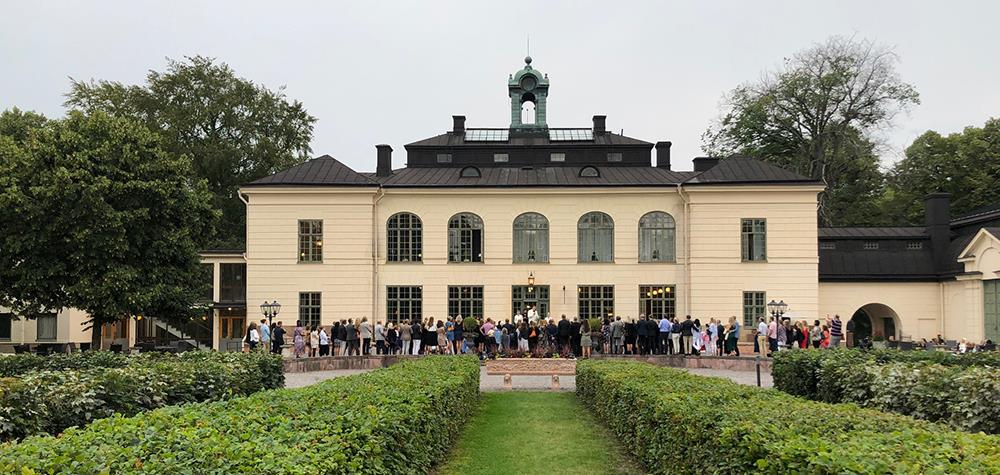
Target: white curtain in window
<point>595,238</point>
<point>657,235</point>
<point>531,238</point>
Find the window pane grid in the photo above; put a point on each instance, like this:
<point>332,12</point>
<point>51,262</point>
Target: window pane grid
<point>657,301</point>
<point>753,307</point>
<point>596,301</point>
<point>595,238</point>
<point>404,303</point>
<point>657,238</point>
<point>311,240</point>
<point>465,238</point>
<point>404,238</point>
<point>754,239</point>
<point>465,300</point>
<point>531,238</point>
<point>310,308</point>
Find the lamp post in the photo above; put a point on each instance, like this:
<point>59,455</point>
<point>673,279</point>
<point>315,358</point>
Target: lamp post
<point>270,310</point>
<point>777,309</point>
<point>531,282</point>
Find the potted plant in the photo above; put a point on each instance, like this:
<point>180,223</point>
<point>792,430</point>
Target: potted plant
<point>878,341</point>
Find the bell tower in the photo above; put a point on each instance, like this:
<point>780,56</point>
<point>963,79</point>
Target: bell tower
<point>528,90</point>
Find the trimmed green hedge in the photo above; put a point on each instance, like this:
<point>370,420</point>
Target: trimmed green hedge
<point>935,386</point>
<point>401,419</point>
<point>16,365</point>
<point>676,422</point>
<point>47,402</point>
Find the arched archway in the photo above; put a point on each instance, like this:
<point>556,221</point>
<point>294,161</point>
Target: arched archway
<point>875,319</point>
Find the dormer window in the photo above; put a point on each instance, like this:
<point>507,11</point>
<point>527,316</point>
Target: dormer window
<point>501,157</point>
<point>471,172</point>
<point>557,157</point>
<point>615,157</point>
<point>589,172</point>
<point>444,158</point>
<point>870,245</point>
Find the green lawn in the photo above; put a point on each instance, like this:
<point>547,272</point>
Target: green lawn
<point>535,432</point>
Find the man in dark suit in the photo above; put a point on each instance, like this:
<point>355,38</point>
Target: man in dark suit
<point>574,337</point>
<point>563,333</point>
<point>642,331</point>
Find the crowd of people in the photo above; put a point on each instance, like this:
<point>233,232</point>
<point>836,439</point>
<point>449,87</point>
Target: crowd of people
<point>521,333</point>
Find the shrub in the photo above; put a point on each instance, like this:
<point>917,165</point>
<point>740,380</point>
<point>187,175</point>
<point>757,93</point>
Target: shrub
<point>928,385</point>
<point>47,402</point>
<point>397,420</point>
<point>681,423</point>
<point>14,365</point>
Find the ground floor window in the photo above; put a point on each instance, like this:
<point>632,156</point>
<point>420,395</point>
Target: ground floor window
<point>403,303</point>
<point>657,301</point>
<point>524,297</point>
<point>232,323</point>
<point>465,300</point>
<point>310,308</point>
<point>753,307</point>
<point>5,324</point>
<point>115,331</point>
<point>596,301</point>
<point>46,326</point>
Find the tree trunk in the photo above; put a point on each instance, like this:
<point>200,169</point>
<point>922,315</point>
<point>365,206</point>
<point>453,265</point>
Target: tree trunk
<point>95,335</point>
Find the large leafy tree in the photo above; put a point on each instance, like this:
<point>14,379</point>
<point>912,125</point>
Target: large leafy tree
<point>98,215</point>
<point>236,131</point>
<point>819,115</point>
<point>965,164</point>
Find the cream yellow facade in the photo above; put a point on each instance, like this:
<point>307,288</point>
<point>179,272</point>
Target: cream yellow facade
<point>708,274</point>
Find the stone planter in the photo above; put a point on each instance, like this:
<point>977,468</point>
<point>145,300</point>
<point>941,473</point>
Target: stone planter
<point>531,366</point>
<point>880,345</point>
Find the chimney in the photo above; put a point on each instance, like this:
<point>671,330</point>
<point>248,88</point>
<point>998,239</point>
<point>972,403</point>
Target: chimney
<point>384,165</point>
<point>663,154</point>
<point>459,124</point>
<point>600,124</point>
<point>704,163</point>
<point>937,218</point>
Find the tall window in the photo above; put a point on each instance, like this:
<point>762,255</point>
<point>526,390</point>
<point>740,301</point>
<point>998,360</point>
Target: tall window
<point>523,296</point>
<point>232,282</point>
<point>208,282</point>
<point>5,325</point>
<point>46,326</point>
<point>531,238</point>
<point>465,300</point>
<point>657,237</point>
<point>753,307</point>
<point>310,240</point>
<point>403,303</point>
<point>754,239</point>
<point>657,301</point>
<point>404,238</point>
<point>596,301</point>
<point>465,238</point>
<point>596,238</point>
<point>310,308</point>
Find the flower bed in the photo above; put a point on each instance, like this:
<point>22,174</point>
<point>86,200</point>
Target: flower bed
<point>681,423</point>
<point>956,390</point>
<point>401,419</point>
<point>47,402</point>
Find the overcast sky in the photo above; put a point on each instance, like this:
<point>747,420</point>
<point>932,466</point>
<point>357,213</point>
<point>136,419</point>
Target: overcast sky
<point>395,72</point>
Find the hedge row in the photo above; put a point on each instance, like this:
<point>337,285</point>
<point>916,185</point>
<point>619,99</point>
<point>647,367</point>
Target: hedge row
<point>47,402</point>
<point>397,420</point>
<point>947,390</point>
<point>16,365</point>
<point>676,422</point>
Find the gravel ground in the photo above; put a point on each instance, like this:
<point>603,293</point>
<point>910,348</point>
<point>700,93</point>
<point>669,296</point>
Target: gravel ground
<point>530,383</point>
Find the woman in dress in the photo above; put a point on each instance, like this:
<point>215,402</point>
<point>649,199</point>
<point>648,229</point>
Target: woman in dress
<point>299,338</point>
<point>430,337</point>
<point>314,341</point>
<point>585,340</point>
<point>442,339</point>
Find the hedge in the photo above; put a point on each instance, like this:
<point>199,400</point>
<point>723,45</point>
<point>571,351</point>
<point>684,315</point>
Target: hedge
<point>15,365</point>
<point>400,419</point>
<point>956,390</point>
<point>47,402</point>
<point>676,422</point>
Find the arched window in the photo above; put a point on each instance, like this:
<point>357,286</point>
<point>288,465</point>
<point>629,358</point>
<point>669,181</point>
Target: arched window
<point>471,172</point>
<point>404,238</point>
<point>589,172</point>
<point>531,238</point>
<point>656,237</point>
<point>528,109</point>
<point>595,238</point>
<point>465,238</point>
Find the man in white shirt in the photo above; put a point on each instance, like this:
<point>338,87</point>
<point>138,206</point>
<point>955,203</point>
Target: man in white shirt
<point>761,337</point>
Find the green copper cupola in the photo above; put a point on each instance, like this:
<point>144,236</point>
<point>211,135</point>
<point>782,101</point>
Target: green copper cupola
<point>528,90</point>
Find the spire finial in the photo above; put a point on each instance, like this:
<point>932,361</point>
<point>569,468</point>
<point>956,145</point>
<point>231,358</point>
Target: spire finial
<point>527,58</point>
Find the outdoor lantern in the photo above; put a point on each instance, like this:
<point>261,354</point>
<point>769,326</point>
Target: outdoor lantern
<point>782,307</point>
<point>772,307</point>
<point>265,308</point>
<point>531,282</point>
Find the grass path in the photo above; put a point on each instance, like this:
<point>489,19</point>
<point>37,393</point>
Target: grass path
<point>535,433</point>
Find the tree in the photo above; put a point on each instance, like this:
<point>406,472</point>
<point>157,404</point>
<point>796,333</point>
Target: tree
<point>965,164</point>
<point>818,116</point>
<point>234,130</point>
<point>98,216</point>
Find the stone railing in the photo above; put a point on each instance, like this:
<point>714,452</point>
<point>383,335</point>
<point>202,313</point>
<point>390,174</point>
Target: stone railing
<point>732,363</point>
<point>330,363</point>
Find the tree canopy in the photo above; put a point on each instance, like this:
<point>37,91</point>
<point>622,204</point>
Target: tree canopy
<point>819,116</point>
<point>965,164</point>
<point>98,216</point>
<point>234,130</point>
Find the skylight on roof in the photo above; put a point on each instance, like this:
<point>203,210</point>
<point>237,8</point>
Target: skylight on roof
<point>567,135</point>
<point>487,135</point>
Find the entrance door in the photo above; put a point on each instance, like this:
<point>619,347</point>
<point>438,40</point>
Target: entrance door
<point>991,309</point>
<point>523,297</point>
<point>862,326</point>
<point>232,323</point>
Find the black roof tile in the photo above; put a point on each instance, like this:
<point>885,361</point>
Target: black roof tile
<point>320,171</point>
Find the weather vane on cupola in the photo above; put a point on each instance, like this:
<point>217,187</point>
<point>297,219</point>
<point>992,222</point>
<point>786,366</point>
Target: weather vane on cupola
<point>528,90</point>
